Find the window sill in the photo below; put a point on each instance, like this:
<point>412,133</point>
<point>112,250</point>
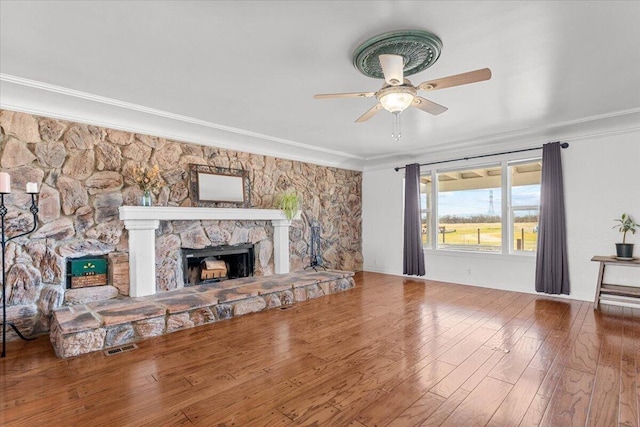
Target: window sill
<point>523,257</point>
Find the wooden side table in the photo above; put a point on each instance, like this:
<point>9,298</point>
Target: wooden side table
<point>615,294</point>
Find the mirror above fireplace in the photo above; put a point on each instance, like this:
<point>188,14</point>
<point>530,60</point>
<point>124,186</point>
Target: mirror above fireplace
<point>212,186</point>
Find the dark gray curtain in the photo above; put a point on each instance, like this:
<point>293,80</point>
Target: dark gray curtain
<point>413,256</point>
<point>552,268</point>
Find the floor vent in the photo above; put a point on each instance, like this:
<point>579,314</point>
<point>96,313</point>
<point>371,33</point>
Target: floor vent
<point>285,307</point>
<point>121,349</point>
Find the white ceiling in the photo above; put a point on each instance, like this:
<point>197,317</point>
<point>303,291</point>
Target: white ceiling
<point>242,74</point>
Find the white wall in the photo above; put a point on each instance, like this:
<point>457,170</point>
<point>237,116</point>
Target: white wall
<point>602,180</point>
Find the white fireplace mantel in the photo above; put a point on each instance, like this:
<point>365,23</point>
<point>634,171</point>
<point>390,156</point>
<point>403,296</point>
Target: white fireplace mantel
<point>142,222</point>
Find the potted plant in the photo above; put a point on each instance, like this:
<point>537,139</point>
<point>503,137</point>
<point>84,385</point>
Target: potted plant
<point>626,223</point>
<point>289,202</point>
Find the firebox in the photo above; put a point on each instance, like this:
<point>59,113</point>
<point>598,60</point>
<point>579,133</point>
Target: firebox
<point>217,263</point>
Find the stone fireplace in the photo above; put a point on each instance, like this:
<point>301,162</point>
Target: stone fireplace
<point>143,221</point>
<point>238,259</point>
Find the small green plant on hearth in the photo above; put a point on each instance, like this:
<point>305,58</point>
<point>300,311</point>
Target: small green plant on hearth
<point>289,202</point>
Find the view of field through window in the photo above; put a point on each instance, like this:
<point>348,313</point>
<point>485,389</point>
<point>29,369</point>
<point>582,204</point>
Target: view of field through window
<point>469,208</point>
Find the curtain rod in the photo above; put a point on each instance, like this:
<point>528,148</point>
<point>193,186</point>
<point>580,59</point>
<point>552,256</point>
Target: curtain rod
<point>563,145</point>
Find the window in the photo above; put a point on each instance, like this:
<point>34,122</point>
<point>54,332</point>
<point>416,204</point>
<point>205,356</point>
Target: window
<point>525,204</point>
<point>486,208</point>
<point>469,209</point>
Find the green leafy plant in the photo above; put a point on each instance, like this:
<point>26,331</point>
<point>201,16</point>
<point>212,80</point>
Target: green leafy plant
<point>289,203</point>
<point>626,224</point>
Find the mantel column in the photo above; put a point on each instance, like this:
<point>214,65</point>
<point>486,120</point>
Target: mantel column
<point>281,245</point>
<point>142,256</point>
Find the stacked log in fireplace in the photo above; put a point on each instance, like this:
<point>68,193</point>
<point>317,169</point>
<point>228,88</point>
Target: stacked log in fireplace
<point>212,268</point>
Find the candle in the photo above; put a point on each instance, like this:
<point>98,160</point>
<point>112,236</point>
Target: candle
<point>5,183</point>
<point>32,187</point>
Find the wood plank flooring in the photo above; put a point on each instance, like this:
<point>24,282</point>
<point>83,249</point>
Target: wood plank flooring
<point>392,351</point>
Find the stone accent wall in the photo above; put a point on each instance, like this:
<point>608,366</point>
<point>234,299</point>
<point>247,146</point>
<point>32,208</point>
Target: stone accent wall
<point>84,174</point>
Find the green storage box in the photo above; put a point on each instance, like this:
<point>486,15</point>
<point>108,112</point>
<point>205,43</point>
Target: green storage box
<point>84,272</point>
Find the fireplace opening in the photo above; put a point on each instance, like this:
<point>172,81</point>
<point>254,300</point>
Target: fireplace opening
<point>217,263</point>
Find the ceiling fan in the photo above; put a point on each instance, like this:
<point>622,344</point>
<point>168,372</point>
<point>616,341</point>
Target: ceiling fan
<point>416,50</point>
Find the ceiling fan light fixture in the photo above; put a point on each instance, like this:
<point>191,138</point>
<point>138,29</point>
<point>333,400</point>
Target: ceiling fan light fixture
<point>396,102</point>
<point>396,99</point>
<point>393,56</point>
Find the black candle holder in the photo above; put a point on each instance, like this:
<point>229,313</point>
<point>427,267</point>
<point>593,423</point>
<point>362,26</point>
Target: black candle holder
<point>3,212</point>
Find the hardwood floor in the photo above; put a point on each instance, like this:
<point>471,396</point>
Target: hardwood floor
<point>392,351</point>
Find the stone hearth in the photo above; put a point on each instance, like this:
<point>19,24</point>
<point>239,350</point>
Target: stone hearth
<point>85,328</point>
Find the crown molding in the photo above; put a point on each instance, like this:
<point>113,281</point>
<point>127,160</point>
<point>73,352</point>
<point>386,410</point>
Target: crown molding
<point>610,124</point>
<point>33,97</point>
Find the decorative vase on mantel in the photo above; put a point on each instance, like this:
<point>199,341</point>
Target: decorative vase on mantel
<point>146,198</point>
<point>147,179</point>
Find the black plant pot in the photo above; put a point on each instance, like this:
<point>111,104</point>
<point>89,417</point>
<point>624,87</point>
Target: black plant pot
<point>624,250</point>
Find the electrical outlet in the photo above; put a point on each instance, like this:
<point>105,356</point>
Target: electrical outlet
<point>468,271</point>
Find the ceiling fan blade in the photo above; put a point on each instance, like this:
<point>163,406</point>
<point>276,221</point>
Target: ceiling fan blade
<point>457,80</point>
<point>428,106</point>
<point>366,116</point>
<point>392,68</point>
<point>344,95</point>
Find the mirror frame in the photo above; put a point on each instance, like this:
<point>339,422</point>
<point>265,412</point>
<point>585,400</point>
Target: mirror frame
<point>197,171</point>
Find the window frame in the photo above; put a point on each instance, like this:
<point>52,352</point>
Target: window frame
<point>510,207</point>
<point>506,208</point>
<point>427,211</point>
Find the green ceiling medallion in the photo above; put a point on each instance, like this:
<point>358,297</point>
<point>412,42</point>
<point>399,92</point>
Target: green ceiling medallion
<point>420,50</point>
